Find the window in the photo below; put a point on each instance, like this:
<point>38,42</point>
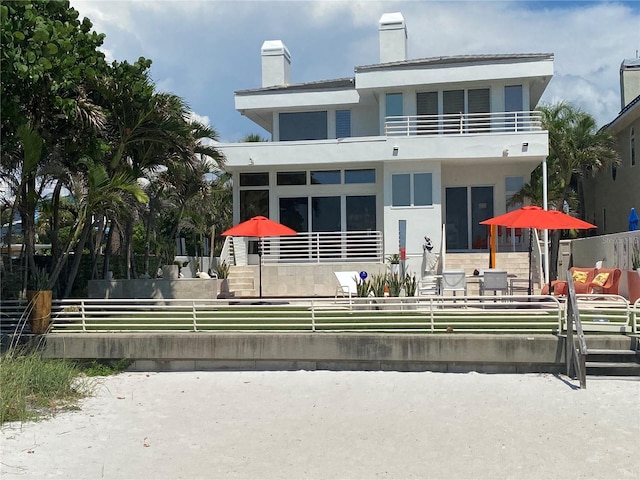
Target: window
<point>409,189</point>
<point>427,105</point>
<point>632,147</point>
<point>303,126</point>
<point>294,213</point>
<point>394,105</point>
<point>401,190</point>
<point>343,123</point>
<point>291,178</point>
<point>511,186</point>
<point>422,189</point>
<point>325,214</point>
<point>254,179</point>
<point>361,213</point>
<point>325,177</point>
<point>360,176</point>
<point>512,103</point>
<point>452,107</point>
<point>478,102</point>
<point>252,203</point>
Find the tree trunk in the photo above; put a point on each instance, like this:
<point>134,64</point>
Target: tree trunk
<point>107,252</point>
<point>77,256</point>
<point>55,222</point>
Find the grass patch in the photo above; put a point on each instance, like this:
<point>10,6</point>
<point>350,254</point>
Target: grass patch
<point>33,387</point>
<point>102,368</point>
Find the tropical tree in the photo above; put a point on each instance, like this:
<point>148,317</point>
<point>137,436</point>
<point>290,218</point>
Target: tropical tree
<point>577,149</point>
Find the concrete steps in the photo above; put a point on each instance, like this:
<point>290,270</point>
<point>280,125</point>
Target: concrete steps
<point>613,362</point>
<point>243,280</point>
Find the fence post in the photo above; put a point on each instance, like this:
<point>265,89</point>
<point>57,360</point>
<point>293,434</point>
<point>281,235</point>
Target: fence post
<point>84,325</point>
<point>194,315</point>
<point>313,316</point>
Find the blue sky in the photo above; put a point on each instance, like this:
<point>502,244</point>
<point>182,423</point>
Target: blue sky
<point>205,50</point>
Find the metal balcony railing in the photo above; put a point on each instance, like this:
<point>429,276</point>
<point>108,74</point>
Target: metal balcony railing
<point>324,247</point>
<point>463,123</point>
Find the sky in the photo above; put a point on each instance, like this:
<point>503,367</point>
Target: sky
<point>204,50</point>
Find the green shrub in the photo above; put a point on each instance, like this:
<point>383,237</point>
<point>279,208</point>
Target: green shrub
<point>222,270</point>
<point>395,284</point>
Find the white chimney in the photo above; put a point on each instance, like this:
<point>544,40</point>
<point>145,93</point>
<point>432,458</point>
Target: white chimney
<point>629,81</point>
<point>393,38</point>
<point>276,64</point>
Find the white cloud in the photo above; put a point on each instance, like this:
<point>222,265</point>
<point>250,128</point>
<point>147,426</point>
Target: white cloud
<point>204,50</point>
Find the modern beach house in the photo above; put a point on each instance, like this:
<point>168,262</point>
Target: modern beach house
<point>367,166</point>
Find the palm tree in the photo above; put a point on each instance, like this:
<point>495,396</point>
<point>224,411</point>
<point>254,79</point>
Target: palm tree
<point>576,149</point>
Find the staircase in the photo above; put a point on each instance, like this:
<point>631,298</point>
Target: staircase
<point>513,262</point>
<point>610,361</point>
<point>243,281</point>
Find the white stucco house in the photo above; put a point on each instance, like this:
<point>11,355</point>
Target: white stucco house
<point>400,149</point>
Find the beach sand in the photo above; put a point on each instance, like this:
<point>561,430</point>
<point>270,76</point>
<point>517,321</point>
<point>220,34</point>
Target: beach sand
<point>346,425</point>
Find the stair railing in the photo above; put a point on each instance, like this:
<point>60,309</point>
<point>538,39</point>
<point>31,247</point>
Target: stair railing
<point>575,357</point>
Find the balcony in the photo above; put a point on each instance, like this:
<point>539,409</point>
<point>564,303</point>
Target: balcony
<point>463,123</point>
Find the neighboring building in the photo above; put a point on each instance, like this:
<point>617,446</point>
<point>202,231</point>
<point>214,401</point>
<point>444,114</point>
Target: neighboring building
<point>610,196</point>
<point>432,141</point>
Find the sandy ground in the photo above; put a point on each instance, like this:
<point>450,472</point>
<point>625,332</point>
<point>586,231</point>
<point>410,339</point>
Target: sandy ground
<point>349,425</point>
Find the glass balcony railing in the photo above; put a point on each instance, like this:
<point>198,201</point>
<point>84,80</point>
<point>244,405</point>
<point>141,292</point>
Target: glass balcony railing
<point>463,123</point>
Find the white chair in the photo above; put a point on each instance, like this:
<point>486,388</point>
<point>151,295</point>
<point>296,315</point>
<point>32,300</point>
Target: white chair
<point>347,284</point>
<point>494,280</point>
<point>454,281</point>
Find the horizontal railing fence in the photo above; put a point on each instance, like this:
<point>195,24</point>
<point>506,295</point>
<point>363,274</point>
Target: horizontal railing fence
<point>324,247</point>
<point>461,123</point>
<point>481,314</point>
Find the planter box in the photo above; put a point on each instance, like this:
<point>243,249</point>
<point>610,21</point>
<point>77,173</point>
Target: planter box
<point>633,283</point>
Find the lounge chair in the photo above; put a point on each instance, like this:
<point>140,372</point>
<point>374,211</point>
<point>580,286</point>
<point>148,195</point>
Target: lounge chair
<point>347,284</point>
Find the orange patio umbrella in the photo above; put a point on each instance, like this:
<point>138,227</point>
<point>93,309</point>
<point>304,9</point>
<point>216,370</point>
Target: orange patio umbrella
<point>259,227</point>
<point>540,219</point>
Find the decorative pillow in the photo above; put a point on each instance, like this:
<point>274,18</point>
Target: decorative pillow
<point>580,277</point>
<point>600,279</point>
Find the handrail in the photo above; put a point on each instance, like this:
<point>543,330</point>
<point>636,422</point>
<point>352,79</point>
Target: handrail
<point>574,358</point>
<point>225,253</point>
<point>463,123</point>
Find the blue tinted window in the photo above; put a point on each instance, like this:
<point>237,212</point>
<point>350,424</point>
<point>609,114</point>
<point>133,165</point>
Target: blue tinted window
<point>422,189</point>
<point>325,177</point>
<point>343,123</point>
<point>360,176</point>
<point>401,190</point>
<point>394,105</point>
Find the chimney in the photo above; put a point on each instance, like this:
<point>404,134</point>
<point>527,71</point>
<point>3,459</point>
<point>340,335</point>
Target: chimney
<point>629,81</point>
<point>276,64</point>
<point>393,38</point>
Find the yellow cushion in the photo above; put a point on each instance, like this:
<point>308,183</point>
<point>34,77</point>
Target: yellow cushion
<point>600,279</point>
<point>579,276</point>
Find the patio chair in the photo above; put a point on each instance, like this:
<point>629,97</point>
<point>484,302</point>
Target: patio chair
<point>606,281</point>
<point>347,284</point>
<point>582,277</point>
<point>494,280</point>
<point>454,281</point>
<point>428,285</point>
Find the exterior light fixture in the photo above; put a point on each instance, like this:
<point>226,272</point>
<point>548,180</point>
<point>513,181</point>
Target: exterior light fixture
<point>395,151</point>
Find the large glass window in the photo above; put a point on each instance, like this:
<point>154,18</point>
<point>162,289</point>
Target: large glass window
<point>343,123</point>
<point>427,104</point>
<point>513,103</point>
<point>325,214</point>
<point>452,107</point>
<point>254,179</point>
<point>367,175</point>
<point>291,178</point>
<point>294,213</point>
<point>303,126</point>
<point>325,177</point>
<point>252,203</point>
<point>401,190</point>
<point>477,103</point>
<point>361,212</point>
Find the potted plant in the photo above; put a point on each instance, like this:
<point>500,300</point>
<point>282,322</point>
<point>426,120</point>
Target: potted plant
<point>39,297</point>
<point>222,272</point>
<point>633,276</point>
<point>394,262</point>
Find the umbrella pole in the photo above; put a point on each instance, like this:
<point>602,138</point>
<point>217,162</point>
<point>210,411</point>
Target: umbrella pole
<point>260,266</point>
<point>530,254</point>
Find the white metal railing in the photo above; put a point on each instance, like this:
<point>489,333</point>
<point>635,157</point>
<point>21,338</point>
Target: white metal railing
<point>324,247</point>
<point>433,314</point>
<point>461,123</point>
<point>226,254</point>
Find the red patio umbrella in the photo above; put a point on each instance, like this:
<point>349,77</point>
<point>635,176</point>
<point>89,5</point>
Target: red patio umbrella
<point>259,227</point>
<point>540,219</point>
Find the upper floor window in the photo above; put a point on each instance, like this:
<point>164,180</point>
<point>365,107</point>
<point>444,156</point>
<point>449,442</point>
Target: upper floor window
<point>343,123</point>
<point>393,105</point>
<point>291,178</point>
<point>303,126</point>
<point>513,98</point>
<point>632,147</point>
